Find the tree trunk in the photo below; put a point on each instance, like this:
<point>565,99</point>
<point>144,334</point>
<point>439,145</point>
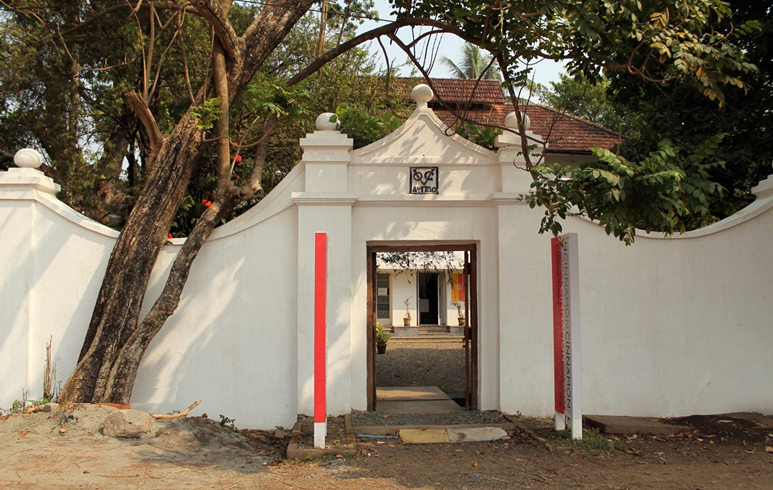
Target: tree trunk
<point>120,381</point>
<point>123,289</point>
<point>115,343</point>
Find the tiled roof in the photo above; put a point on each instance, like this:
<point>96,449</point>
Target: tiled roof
<point>563,132</point>
<point>459,90</point>
<point>567,133</point>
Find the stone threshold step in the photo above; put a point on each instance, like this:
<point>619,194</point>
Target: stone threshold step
<point>427,339</point>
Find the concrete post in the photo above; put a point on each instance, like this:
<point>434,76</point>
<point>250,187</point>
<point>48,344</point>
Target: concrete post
<point>325,206</point>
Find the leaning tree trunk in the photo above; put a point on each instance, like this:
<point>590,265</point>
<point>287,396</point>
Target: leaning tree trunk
<point>123,288</point>
<point>120,381</point>
<point>115,341</point>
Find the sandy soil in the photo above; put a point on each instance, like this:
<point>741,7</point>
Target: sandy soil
<point>35,452</point>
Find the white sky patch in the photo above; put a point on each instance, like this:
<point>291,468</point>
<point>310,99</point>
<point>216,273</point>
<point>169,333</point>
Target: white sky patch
<point>446,45</point>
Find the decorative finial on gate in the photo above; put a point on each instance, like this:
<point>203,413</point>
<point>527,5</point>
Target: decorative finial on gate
<point>511,122</point>
<point>327,121</point>
<point>28,158</point>
<point>422,94</point>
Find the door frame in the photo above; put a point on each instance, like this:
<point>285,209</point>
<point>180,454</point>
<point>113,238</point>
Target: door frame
<point>470,342</point>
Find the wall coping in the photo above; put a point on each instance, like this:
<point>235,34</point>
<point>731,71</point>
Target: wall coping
<point>28,184</point>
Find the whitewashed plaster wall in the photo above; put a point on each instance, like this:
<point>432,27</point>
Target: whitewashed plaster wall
<point>680,325</point>
<point>237,313</point>
<point>670,326</point>
<point>404,286</point>
<point>50,272</point>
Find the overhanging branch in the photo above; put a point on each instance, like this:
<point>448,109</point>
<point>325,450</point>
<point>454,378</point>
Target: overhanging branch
<point>213,13</point>
<point>373,34</point>
<point>108,10</point>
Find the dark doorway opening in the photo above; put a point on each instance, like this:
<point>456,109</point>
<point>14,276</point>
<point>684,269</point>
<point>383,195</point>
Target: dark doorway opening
<point>429,307</point>
<point>428,295</point>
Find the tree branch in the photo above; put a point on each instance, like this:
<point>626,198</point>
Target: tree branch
<point>254,188</point>
<point>148,121</point>
<point>108,10</point>
<point>370,35</point>
<point>223,144</point>
<point>217,17</point>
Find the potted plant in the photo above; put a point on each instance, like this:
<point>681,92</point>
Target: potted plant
<point>460,313</point>
<point>407,317</point>
<point>382,337</point>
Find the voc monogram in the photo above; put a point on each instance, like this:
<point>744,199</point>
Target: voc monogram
<point>424,180</point>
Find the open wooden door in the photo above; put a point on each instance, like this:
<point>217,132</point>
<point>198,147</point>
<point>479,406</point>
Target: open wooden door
<point>471,329</point>
<point>371,353</point>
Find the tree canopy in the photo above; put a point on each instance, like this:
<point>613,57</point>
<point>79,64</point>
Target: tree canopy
<point>676,113</point>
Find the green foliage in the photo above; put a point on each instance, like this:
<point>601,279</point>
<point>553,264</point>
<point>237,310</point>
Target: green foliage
<point>271,97</point>
<point>362,127</point>
<point>21,406</point>
<point>207,114</point>
<point>590,100</point>
<point>382,336</point>
<point>654,194</point>
<point>63,93</point>
<point>62,90</point>
<point>626,35</point>
<point>679,112</point>
<point>483,136</point>
<point>200,191</point>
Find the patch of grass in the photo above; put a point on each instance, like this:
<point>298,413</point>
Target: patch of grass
<point>592,441</point>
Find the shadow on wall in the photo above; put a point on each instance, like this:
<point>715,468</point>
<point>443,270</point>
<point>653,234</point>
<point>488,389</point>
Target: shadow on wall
<point>233,341</point>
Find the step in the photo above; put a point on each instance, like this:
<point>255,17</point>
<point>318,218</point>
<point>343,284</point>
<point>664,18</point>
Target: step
<point>429,338</point>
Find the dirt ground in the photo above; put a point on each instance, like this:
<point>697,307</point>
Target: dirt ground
<point>196,452</point>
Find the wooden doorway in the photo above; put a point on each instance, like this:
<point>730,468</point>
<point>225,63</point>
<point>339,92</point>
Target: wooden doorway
<point>470,342</point>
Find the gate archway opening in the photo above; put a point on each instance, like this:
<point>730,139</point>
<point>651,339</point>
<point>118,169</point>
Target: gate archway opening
<point>440,298</point>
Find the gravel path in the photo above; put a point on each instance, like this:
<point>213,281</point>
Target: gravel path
<point>438,364</point>
<point>361,419</point>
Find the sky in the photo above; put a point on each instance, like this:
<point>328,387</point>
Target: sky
<point>449,46</point>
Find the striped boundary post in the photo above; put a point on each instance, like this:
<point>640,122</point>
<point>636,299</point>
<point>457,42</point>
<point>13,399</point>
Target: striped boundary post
<point>320,339</point>
<point>566,332</point>
<point>559,392</point>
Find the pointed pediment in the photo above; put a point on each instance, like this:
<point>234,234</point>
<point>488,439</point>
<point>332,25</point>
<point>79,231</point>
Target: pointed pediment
<point>423,139</point>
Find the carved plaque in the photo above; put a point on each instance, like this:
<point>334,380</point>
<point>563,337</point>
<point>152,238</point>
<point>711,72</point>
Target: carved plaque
<point>424,180</point>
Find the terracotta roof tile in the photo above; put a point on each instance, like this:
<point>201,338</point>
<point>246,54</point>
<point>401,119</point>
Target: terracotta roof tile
<point>567,133</point>
<point>563,132</point>
<point>458,90</point>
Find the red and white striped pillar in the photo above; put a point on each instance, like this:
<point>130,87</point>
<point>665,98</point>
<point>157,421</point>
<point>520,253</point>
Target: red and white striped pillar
<point>320,339</point>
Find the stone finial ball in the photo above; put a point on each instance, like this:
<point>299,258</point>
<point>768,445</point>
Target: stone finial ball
<point>28,158</point>
<point>323,122</point>
<point>422,94</point>
<point>511,122</point>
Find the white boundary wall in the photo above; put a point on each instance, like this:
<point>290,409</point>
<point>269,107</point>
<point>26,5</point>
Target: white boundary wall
<point>671,326</point>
